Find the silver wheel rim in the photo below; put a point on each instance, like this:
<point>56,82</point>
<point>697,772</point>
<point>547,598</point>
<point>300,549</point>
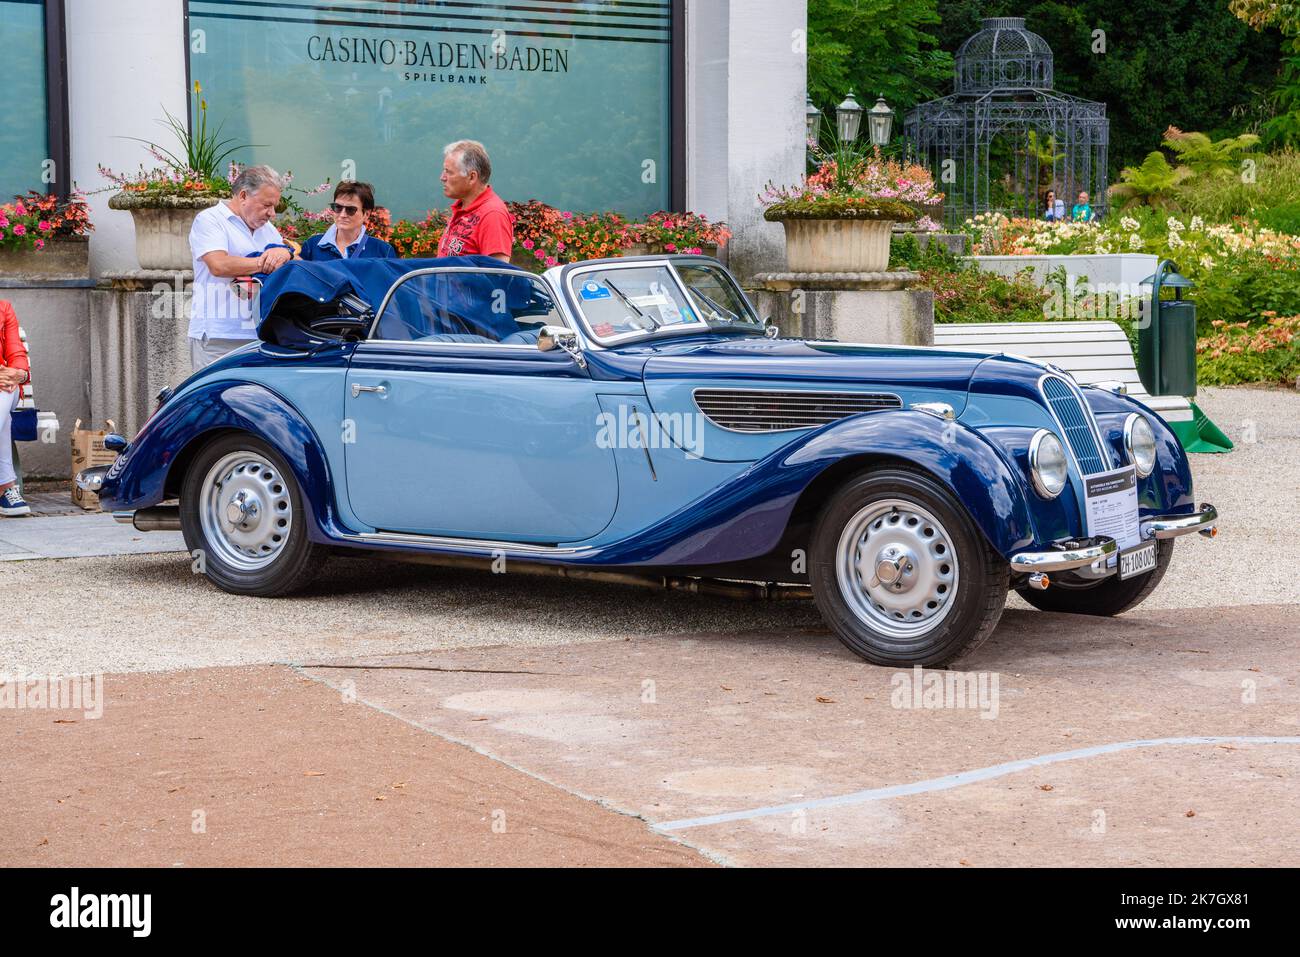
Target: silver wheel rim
<point>245,511</point>
<point>897,568</point>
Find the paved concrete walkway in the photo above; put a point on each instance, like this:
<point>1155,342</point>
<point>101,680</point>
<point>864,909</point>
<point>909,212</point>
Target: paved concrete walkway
<point>78,536</point>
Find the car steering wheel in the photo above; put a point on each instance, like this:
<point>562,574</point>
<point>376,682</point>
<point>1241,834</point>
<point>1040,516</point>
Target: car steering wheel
<point>347,328</point>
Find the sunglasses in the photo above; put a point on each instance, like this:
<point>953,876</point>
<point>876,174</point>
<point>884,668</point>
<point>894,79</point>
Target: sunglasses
<point>344,210</point>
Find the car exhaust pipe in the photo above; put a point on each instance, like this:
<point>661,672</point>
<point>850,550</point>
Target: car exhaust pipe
<point>159,518</point>
<point>1039,581</point>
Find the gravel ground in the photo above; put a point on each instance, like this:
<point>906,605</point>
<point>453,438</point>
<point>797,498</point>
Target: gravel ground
<point>149,613</point>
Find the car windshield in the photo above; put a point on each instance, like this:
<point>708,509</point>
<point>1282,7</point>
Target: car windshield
<point>625,302</point>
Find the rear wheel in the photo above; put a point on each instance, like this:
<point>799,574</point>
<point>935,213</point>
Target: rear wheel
<point>1105,598</point>
<point>900,572</point>
<point>242,516</point>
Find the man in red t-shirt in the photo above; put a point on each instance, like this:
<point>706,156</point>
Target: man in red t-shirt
<point>480,224</point>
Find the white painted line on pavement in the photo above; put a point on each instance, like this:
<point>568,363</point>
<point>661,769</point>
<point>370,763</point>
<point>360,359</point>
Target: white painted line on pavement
<point>957,780</point>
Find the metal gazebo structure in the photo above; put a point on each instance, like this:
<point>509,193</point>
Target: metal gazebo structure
<point>1004,136</point>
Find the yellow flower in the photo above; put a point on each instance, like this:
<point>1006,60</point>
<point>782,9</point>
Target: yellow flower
<point>197,87</point>
<point>203,105</point>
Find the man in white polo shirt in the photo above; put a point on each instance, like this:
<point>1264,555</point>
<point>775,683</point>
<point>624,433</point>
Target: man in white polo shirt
<point>233,238</point>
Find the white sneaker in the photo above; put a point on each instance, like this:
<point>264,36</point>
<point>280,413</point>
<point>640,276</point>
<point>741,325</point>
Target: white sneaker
<point>12,504</point>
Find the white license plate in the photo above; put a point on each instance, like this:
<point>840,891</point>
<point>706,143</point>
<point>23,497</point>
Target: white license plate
<point>1137,561</point>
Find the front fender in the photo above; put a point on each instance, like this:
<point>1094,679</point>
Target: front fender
<point>142,473</point>
<point>968,464</point>
<point>1168,489</point>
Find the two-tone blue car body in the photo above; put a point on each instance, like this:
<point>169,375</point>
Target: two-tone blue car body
<point>634,418</point>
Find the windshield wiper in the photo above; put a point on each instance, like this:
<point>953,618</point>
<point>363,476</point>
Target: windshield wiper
<point>655,323</point>
<point>717,307</point>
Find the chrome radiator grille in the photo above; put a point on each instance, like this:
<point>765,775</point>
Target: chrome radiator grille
<point>757,410</point>
<point>1076,421</point>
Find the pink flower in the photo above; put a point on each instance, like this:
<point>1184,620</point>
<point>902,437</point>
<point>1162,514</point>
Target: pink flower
<point>20,230</point>
<point>670,247</point>
<point>560,246</point>
<point>20,209</point>
<point>528,244</point>
<point>540,253</point>
<point>44,226</point>
<point>552,261</point>
<point>40,244</point>
<point>567,215</point>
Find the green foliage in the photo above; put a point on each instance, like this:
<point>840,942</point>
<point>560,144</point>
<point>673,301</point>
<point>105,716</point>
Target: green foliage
<point>1151,184</point>
<point>205,152</point>
<point>1241,288</point>
<point>968,294</point>
<point>1206,157</point>
<point>905,252</point>
<point>878,48</point>
<point>1267,351</point>
<point>1186,62</point>
<point>1274,181</point>
<point>1284,218</point>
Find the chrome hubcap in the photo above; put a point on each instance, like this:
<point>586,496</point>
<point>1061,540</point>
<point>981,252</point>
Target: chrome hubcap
<point>246,511</point>
<point>897,568</point>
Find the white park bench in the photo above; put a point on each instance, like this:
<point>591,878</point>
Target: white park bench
<point>1091,351</point>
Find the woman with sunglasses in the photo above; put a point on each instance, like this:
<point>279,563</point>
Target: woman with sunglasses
<point>347,238</point>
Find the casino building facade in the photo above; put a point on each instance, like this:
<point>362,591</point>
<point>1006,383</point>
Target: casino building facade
<point>584,104</point>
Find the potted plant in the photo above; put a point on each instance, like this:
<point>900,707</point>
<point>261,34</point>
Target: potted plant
<point>840,217</point>
<point>43,237</point>
<point>164,200</point>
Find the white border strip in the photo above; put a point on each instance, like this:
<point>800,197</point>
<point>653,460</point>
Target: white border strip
<point>957,780</point>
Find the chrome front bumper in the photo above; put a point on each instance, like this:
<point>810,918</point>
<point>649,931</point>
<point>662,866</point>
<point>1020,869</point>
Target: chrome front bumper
<point>1079,554</point>
<point>1067,555</point>
<point>1204,520</point>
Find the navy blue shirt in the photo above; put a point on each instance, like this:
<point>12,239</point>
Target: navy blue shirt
<point>321,247</point>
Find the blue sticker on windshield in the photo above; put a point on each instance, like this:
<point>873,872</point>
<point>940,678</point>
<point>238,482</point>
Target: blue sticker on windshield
<point>593,290</point>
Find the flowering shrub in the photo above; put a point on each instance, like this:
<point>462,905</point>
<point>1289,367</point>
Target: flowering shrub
<point>29,221</point>
<point>679,232</point>
<point>1244,352</point>
<point>417,240</point>
<point>850,185</point>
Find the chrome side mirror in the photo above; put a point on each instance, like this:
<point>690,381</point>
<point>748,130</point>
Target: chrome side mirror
<point>551,338</point>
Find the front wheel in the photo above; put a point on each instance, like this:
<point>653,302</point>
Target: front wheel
<point>1108,597</point>
<point>242,517</point>
<point>900,572</point>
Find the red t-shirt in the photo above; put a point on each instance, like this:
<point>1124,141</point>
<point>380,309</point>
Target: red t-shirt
<point>483,228</point>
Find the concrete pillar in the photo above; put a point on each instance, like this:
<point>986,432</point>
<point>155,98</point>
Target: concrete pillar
<point>883,308</point>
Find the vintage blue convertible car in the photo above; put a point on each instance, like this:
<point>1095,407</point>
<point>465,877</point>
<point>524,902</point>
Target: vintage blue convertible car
<point>634,419</point>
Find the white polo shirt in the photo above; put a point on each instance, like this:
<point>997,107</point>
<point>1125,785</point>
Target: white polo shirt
<point>218,312</point>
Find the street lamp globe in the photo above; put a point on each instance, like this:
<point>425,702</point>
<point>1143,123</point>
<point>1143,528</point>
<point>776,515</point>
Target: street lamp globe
<point>812,119</point>
<point>848,118</point>
<point>880,122</point>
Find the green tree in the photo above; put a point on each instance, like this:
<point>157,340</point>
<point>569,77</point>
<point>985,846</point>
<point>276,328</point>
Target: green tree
<point>1206,157</point>
<point>1156,63</point>
<point>877,48</point>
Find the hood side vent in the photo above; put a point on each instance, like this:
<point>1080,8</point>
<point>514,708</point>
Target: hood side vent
<point>762,410</point>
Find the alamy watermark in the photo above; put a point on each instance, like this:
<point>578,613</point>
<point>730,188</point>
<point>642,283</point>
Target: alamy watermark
<point>84,693</point>
<point>933,690</point>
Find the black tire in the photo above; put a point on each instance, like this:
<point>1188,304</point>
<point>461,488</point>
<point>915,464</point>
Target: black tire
<point>965,612</point>
<point>1110,596</point>
<point>273,504</point>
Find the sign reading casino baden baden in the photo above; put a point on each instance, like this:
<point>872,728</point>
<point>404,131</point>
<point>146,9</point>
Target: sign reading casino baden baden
<point>470,61</point>
<point>572,100</point>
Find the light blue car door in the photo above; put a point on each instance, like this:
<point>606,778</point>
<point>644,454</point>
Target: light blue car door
<point>459,434</point>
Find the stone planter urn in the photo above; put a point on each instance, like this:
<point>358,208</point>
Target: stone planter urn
<point>837,245</point>
<point>162,227</point>
<point>63,257</point>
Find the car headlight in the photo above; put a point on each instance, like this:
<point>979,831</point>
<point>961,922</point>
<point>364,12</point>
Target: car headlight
<point>1140,441</point>
<point>1048,465</point>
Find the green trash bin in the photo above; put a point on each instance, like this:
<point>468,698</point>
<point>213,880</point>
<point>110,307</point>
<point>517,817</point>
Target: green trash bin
<point>1166,358</point>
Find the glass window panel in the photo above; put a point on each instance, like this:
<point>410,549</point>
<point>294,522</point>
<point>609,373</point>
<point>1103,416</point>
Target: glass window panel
<point>571,100</point>
<point>24,128</point>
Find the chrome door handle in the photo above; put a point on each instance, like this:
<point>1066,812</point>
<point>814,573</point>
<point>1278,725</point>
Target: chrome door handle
<point>377,389</point>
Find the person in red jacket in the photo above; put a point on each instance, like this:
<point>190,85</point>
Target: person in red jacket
<point>14,373</point>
